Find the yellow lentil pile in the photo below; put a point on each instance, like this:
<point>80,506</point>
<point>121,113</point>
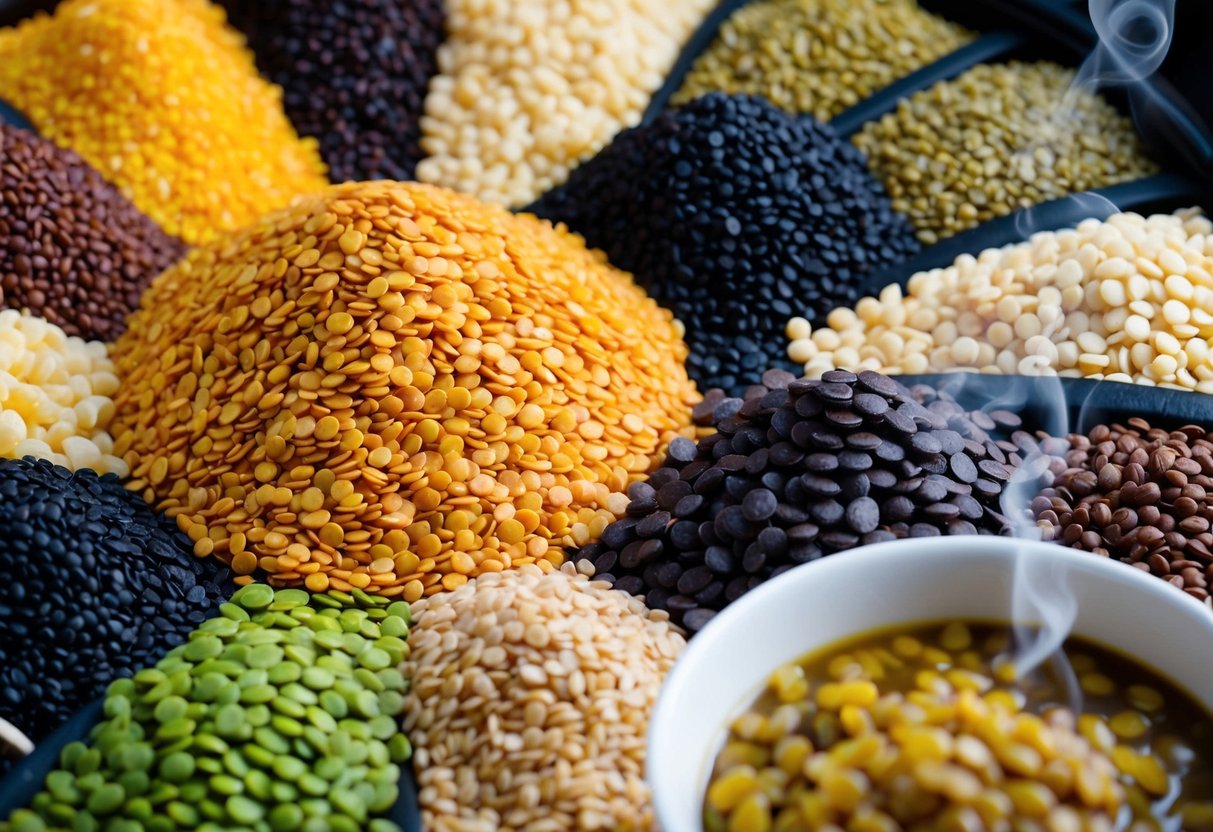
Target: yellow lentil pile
<point>1128,299</point>
<point>163,99</point>
<point>529,703</point>
<point>394,387</point>
<point>820,56</point>
<point>55,395</point>
<point>998,138</point>
<point>527,89</point>
<point>928,729</point>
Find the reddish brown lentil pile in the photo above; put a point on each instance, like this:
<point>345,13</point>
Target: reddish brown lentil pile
<point>393,387</point>
<point>73,250</point>
<point>1138,494</point>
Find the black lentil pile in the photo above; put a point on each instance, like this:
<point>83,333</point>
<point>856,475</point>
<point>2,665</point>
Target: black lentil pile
<point>354,75</point>
<point>736,216</point>
<point>73,250</point>
<point>797,470</point>
<point>96,586</point>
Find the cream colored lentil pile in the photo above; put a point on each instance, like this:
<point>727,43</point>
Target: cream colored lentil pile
<point>527,89</point>
<point>1129,299</point>
<point>998,138</point>
<point>529,703</point>
<point>394,387</point>
<point>55,394</point>
<point>819,56</point>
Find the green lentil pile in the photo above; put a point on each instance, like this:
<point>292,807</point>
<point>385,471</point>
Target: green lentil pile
<point>281,714</point>
<point>820,56</point>
<point>998,138</point>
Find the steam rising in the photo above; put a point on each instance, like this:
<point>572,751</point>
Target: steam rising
<point>1134,36</point>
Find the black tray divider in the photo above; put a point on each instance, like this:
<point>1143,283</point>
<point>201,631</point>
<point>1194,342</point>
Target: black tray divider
<point>12,116</point>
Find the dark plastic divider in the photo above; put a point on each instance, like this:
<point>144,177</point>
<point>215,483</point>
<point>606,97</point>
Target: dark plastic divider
<point>11,115</point>
<point>25,779</point>
<point>14,11</point>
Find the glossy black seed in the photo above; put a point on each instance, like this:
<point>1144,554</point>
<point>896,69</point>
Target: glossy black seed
<point>962,467</point>
<point>759,504</point>
<point>96,586</point>
<point>696,619</point>
<point>662,200</point>
<point>863,515</point>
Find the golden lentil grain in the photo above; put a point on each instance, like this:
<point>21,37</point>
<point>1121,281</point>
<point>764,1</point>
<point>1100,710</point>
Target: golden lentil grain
<point>527,89</point>
<point>1094,301</point>
<point>163,99</point>
<point>819,56</point>
<point>998,138</point>
<point>370,459</point>
<point>529,700</point>
<point>55,395</point>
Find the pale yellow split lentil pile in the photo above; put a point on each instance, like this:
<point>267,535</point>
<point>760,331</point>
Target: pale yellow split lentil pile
<point>55,394</point>
<point>162,98</point>
<point>527,89</point>
<point>394,387</point>
<point>1128,299</point>
<point>819,56</point>
<point>529,704</point>
<point>998,138</point>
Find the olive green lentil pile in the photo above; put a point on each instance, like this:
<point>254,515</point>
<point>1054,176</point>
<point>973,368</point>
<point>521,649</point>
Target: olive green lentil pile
<point>929,729</point>
<point>819,56</point>
<point>281,714</point>
<point>998,138</point>
<point>394,387</point>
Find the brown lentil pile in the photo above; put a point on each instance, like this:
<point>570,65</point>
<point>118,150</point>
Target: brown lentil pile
<point>929,729</point>
<point>72,249</point>
<point>529,702</point>
<point>527,89</point>
<point>394,387</point>
<point>820,56</point>
<point>998,138</point>
<point>163,99</point>
<point>1127,299</point>
<point>1140,495</point>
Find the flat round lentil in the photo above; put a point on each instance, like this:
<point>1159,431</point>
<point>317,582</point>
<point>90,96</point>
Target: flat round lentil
<point>568,380</point>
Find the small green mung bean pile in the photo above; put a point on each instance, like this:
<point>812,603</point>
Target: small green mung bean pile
<point>820,56</point>
<point>281,714</point>
<point>998,138</point>
<point>932,728</point>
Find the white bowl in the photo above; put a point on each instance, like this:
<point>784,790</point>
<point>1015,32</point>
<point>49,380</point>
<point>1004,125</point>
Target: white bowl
<point>903,582</point>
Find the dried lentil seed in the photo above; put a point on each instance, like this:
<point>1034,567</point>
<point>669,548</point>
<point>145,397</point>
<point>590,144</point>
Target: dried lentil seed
<point>480,301</point>
<point>1095,301</point>
<point>731,213</point>
<point>164,101</point>
<point>98,586</point>
<point>528,703</point>
<point>998,138</point>
<point>72,249</point>
<point>819,56</point>
<point>528,89</point>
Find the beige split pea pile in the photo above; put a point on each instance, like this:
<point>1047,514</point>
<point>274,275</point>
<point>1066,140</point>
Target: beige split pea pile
<point>1129,299</point>
<point>527,89</point>
<point>529,704</point>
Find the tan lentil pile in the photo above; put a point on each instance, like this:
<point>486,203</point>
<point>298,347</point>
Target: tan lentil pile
<point>55,395</point>
<point>163,99</point>
<point>529,703</point>
<point>998,138</point>
<point>394,387</point>
<point>527,89</point>
<point>819,56</point>
<point>1128,299</point>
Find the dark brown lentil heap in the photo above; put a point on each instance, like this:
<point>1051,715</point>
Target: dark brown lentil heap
<point>353,72</point>
<point>96,586</point>
<point>73,250</point>
<point>1137,494</point>
<point>799,469</point>
<point>736,216</point>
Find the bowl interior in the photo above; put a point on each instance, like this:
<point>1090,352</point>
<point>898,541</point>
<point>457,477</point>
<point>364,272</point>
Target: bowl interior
<point>906,582</point>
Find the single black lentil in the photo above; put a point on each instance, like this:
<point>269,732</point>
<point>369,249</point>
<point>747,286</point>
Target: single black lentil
<point>799,469</point>
<point>73,250</point>
<point>736,216</point>
<point>354,75</point>
<point>96,586</point>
